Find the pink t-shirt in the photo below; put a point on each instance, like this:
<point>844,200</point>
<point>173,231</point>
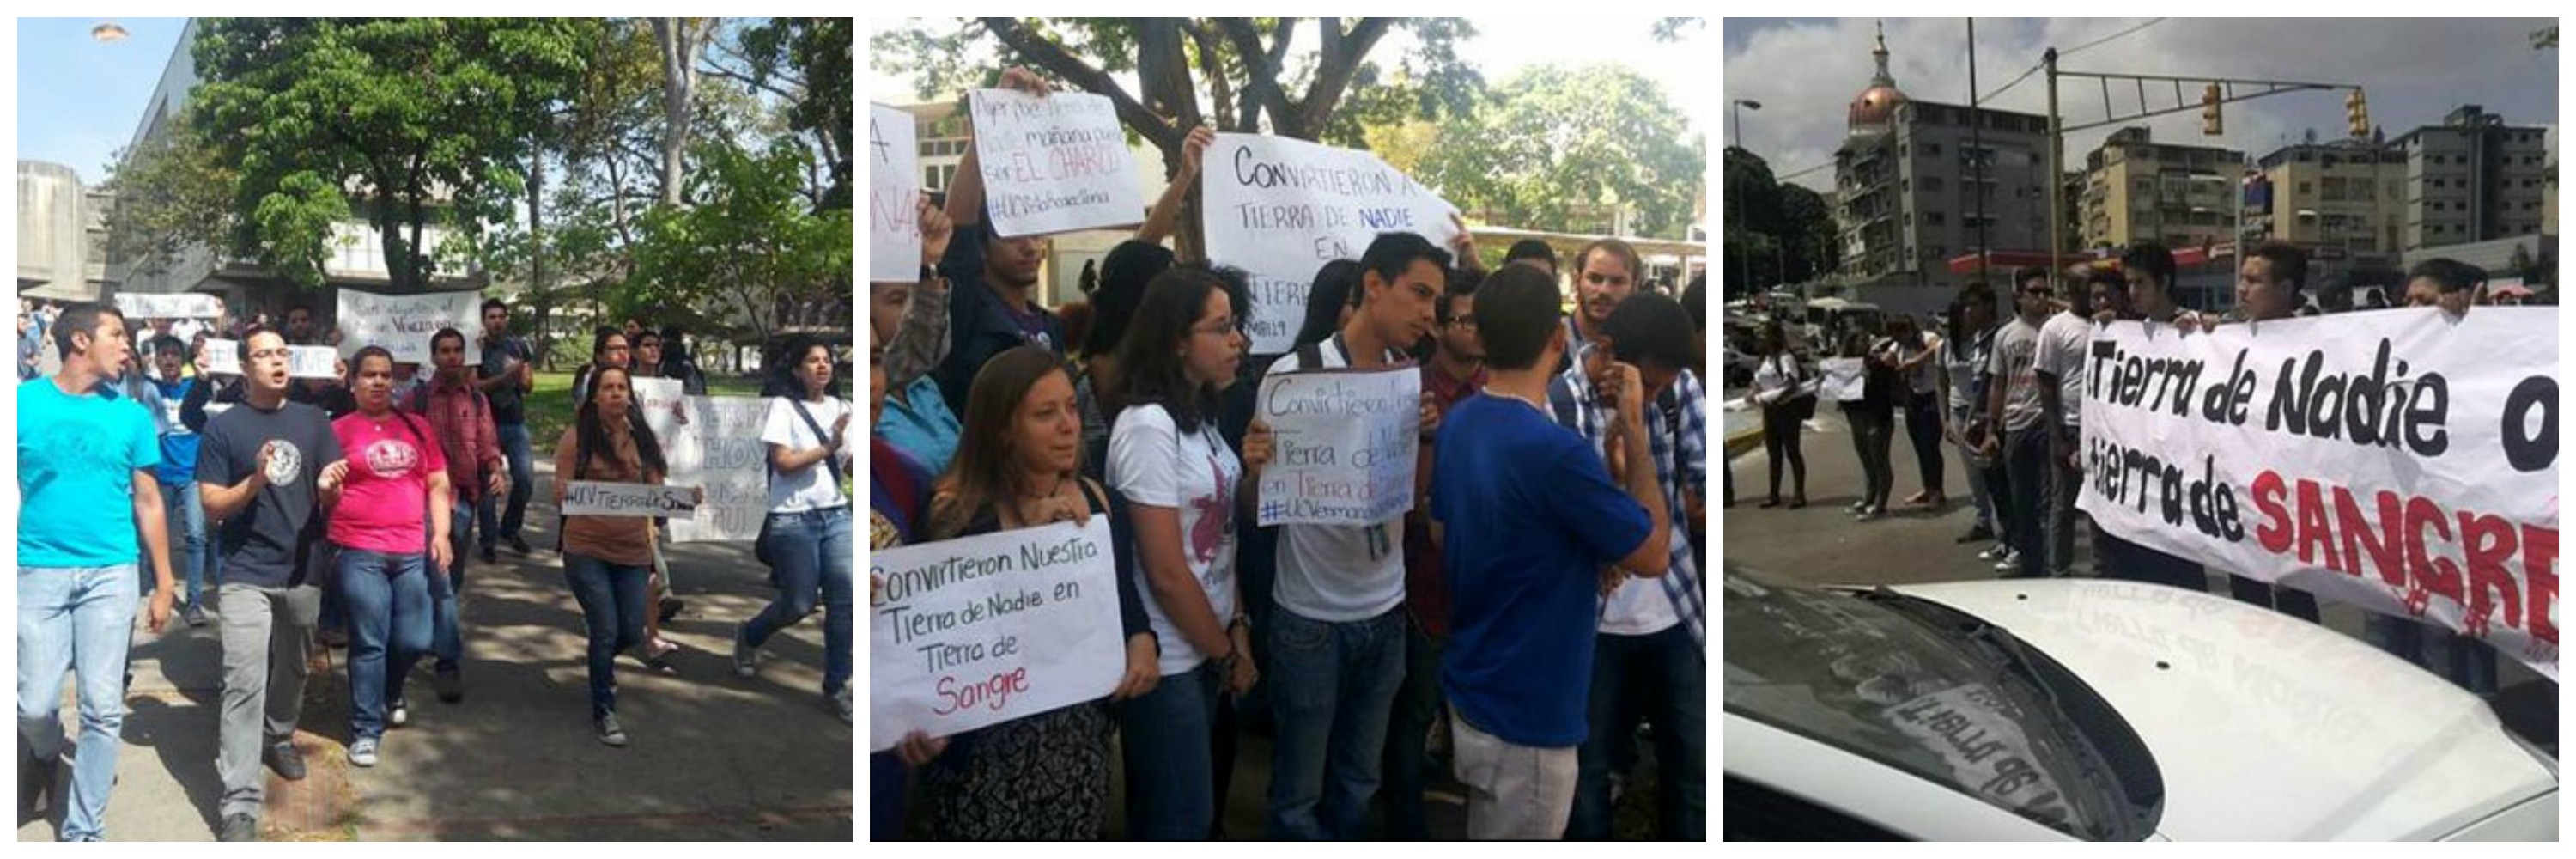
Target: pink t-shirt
<point>385,505</point>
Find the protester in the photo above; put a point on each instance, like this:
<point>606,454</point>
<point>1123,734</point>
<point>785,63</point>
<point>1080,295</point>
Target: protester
<point>1917,362</point>
<point>1534,252</point>
<point>79,446</point>
<point>2065,345</point>
<point>912,320</point>
<point>1334,296</point>
<point>1124,273</point>
<point>2149,270</point>
<point>1965,353</point>
<point>1780,389</point>
<point>809,549</point>
<point>2445,283</point>
<point>477,473</point>
<point>898,505</point>
<point>608,348</point>
<point>2013,416</point>
<point>1872,418</point>
<point>607,558</point>
<point>1181,485</point>
<point>2468,662</point>
<point>378,499</point>
<point>1605,273</point>
<point>1526,515</point>
<point>506,376</point>
<point>259,470</point>
<point>177,472</point>
<point>677,363</point>
<point>992,302</point>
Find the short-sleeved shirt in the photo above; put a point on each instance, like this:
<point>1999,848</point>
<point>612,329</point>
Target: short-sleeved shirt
<point>385,502</point>
<point>2014,366</point>
<point>263,544</point>
<point>77,454</point>
<point>498,355</point>
<point>814,488</point>
<point>2062,343</point>
<point>178,442</point>
<point>1529,515</point>
<point>1338,573</point>
<point>1152,463</point>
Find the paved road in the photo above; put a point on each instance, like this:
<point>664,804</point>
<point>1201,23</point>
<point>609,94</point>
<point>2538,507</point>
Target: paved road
<point>713,758</point>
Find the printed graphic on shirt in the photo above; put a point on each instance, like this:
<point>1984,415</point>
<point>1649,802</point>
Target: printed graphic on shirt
<point>1214,526</point>
<point>390,459</point>
<point>285,463</point>
<point>70,450</point>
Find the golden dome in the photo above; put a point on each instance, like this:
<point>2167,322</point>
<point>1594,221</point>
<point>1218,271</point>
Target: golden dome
<point>1876,106</point>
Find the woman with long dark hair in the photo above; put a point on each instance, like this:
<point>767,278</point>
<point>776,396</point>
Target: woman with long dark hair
<point>809,547</point>
<point>1964,356</point>
<point>1780,388</point>
<point>607,559</point>
<point>1918,394</point>
<point>1873,419</point>
<point>393,480</point>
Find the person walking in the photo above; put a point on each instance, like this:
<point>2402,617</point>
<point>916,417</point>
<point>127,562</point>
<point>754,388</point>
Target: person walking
<point>505,377</point>
<point>478,472</point>
<point>393,480</point>
<point>809,549</point>
<point>608,558</point>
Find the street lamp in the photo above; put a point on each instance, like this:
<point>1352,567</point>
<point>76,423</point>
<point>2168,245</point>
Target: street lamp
<point>108,31</point>
<point>1736,125</point>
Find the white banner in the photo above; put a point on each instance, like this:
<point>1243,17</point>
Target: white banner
<point>595,498</point>
<point>222,356</point>
<point>403,323</point>
<point>894,195</point>
<point>312,362</point>
<point>2400,461</point>
<point>719,449</point>
<point>986,629</point>
<point>1279,209</point>
<point>1342,445</point>
<point>183,305</point>
<point>1845,379</point>
<point>1055,163</point>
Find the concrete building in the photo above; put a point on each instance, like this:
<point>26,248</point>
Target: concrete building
<point>2473,178</point>
<point>53,248</point>
<point>2138,190</point>
<point>1915,180</point>
<point>2344,202</point>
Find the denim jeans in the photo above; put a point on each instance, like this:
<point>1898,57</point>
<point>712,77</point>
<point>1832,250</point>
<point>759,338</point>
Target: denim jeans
<point>1171,771</point>
<point>514,446</point>
<point>387,596</point>
<point>187,530</point>
<point>1873,441</point>
<point>76,620</point>
<point>1334,685</point>
<point>2026,463</point>
<point>1408,731</point>
<point>812,550</point>
<point>1660,679</point>
<point>1923,428</point>
<point>446,643</point>
<point>2063,484</point>
<point>1977,489</point>
<point>612,608</point>
<point>2466,662</point>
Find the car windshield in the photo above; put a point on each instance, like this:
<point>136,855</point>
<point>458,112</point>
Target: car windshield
<point>1937,694</point>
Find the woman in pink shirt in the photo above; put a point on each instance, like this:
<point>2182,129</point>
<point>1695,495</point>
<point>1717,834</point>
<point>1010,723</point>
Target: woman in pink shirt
<point>390,502</point>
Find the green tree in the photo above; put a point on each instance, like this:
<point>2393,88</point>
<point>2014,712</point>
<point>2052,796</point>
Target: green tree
<point>751,241</point>
<point>172,193</point>
<point>807,62</point>
<point>682,41</point>
<point>405,122</point>
<point>1806,226</point>
<point>1569,150</point>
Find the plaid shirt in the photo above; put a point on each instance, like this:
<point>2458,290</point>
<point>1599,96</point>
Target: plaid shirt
<point>462,419</point>
<point>1681,465</point>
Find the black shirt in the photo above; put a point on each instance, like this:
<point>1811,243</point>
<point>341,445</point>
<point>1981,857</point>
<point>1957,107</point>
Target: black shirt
<point>507,405</point>
<point>264,542</point>
<point>979,326</point>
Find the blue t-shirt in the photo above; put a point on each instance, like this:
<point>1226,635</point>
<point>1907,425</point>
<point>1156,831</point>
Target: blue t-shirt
<point>178,442</point>
<point>1531,516</point>
<point>76,461</point>
<point>920,425</point>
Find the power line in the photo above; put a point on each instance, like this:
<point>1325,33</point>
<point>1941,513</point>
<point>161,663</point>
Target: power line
<point>2034,67</point>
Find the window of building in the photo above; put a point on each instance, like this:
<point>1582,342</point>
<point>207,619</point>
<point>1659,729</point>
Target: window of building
<point>1928,149</point>
<point>1933,218</point>
<point>2306,188</point>
<point>1932,183</point>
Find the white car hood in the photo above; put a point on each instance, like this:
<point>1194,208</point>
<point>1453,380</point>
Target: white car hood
<point>2263,725</point>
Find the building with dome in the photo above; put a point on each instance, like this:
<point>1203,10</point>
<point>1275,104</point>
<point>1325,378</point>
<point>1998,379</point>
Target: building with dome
<point>1912,184</point>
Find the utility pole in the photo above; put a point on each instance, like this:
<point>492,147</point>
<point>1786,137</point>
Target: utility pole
<point>2056,168</point>
<point>1977,150</point>
<point>1736,128</point>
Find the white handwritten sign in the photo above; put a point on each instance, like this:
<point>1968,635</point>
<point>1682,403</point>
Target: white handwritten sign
<point>596,498</point>
<point>986,629</point>
<point>719,449</point>
<point>1279,209</point>
<point>661,400</point>
<point>403,323</point>
<point>1053,163</point>
<point>1846,379</point>
<point>184,305</point>
<point>894,192</point>
<point>312,362</point>
<point>1342,445</point>
<point>221,356</point>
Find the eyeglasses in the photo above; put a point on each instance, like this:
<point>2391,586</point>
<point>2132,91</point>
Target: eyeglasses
<point>279,354</point>
<point>1220,328</point>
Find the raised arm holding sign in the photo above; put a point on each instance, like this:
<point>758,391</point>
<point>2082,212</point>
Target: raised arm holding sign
<point>894,183</point>
<point>1052,163</point>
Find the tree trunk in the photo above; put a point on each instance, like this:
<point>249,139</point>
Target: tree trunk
<point>545,299</point>
<point>681,40</point>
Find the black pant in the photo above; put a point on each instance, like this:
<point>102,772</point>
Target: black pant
<point>1923,425</point>
<point>1780,428</point>
<point>1874,439</point>
<point>2290,601</point>
<point>2132,562</point>
<point>2026,465</point>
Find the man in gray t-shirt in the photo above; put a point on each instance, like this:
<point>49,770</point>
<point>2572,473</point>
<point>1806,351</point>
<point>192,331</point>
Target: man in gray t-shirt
<point>2014,412</point>
<point>2063,340</point>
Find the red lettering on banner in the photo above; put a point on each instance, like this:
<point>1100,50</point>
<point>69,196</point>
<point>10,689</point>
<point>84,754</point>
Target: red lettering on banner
<point>2488,543</point>
<point>2540,576</point>
<point>2402,539</point>
<point>2274,533</point>
<point>2438,575</point>
<point>993,692</point>
<point>2314,532</point>
<point>2387,552</point>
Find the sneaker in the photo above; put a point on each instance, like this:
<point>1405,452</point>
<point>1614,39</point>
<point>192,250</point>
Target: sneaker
<point>746,660</point>
<point>196,615</point>
<point>518,545</point>
<point>1870,513</point>
<point>239,827</point>
<point>1858,506</point>
<point>611,734</point>
<point>670,608</point>
<point>1919,497</point>
<point>398,714</point>
<point>490,556</point>
<point>2009,561</point>
<point>285,759</point>
<point>450,681</point>
<point>363,752</point>
<point>842,700</point>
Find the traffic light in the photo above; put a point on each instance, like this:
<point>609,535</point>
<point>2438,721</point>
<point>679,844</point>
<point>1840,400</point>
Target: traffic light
<point>2211,123</point>
<point>2356,113</point>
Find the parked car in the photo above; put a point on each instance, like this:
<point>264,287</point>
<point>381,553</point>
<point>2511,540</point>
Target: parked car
<point>2085,709</point>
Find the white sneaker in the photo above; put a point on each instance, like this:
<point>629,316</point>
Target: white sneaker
<point>843,700</point>
<point>363,752</point>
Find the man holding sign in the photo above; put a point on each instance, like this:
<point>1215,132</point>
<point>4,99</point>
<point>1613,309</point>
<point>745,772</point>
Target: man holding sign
<point>992,276</point>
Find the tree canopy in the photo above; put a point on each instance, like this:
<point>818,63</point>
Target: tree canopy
<point>1567,150</point>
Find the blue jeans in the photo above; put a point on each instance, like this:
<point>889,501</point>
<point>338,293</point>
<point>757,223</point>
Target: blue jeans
<point>387,597</point>
<point>1333,689</point>
<point>445,642</point>
<point>514,445</point>
<point>76,620</point>
<point>1170,756</point>
<point>1661,679</point>
<point>612,607</point>
<point>2466,662</point>
<point>2027,468</point>
<point>1408,763</point>
<point>187,530</point>
<point>812,549</point>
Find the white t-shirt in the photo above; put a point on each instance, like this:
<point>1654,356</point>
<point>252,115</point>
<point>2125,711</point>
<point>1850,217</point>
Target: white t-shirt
<point>2062,343</point>
<point>1338,573</point>
<point>813,488</point>
<point>1152,464</point>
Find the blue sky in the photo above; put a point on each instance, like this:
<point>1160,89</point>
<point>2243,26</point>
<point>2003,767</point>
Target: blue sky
<point>78,98</point>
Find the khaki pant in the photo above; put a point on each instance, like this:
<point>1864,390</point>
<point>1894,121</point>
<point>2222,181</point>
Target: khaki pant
<point>1514,793</point>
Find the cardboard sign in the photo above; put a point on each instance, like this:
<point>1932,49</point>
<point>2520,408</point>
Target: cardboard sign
<point>183,305</point>
<point>1053,163</point>
<point>1342,445</point>
<point>403,323</point>
<point>312,362</point>
<point>986,629</point>
<point>894,195</point>
<point>720,450</point>
<point>222,356</point>
<point>2397,461</point>
<point>595,498</point>
<point>1279,209</point>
